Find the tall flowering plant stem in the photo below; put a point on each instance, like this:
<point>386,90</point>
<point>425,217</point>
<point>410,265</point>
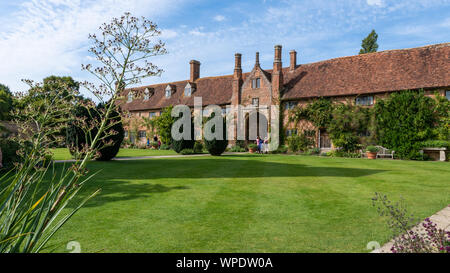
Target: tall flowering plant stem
<point>33,194</point>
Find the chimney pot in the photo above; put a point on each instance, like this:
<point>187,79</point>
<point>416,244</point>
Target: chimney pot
<point>195,70</point>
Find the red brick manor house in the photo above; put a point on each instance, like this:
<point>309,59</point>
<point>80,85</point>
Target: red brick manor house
<point>361,79</point>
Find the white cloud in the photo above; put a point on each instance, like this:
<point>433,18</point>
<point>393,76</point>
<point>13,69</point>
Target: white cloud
<point>378,3</point>
<point>219,18</point>
<point>49,36</point>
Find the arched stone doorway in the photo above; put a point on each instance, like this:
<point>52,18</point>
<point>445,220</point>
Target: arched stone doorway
<point>256,124</point>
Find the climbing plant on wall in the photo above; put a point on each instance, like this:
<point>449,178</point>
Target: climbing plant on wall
<point>403,120</point>
<point>349,126</point>
<point>318,112</point>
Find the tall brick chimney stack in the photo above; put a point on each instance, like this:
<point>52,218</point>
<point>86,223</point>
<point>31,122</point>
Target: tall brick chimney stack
<point>277,74</point>
<point>237,66</point>
<point>237,79</point>
<point>293,57</point>
<point>257,59</point>
<point>195,70</point>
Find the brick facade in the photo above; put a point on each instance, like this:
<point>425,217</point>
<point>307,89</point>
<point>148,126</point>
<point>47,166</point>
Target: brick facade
<point>342,79</point>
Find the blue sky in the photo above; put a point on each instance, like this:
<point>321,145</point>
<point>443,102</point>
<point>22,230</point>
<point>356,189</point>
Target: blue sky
<point>44,37</point>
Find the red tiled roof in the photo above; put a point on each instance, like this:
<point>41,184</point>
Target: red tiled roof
<point>213,90</point>
<point>391,70</point>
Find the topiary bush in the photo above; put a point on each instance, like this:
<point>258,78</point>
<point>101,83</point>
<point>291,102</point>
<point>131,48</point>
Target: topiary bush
<point>215,146</point>
<point>198,147</point>
<point>76,138</point>
<point>179,145</point>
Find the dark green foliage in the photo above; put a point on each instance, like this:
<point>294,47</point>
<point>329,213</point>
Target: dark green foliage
<point>350,123</point>
<point>436,144</point>
<point>179,145</point>
<point>371,149</point>
<point>76,138</point>
<point>252,146</point>
<point>198,147</point>
<point>9,156</point>
<point>403,121</point>
<point>6,102</point>
<point>164,147</point>
<point>369,44</point>
<point>187,152</point>
<point>215,146</point>
<point>110,151</point>
<point>300,142</point>
<point>163,124</point>
<point>318,112</point>
<point>239,147</point>
<point>442,112</point>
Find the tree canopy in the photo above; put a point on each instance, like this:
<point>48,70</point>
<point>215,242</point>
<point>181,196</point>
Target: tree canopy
<point>369,44</point>
<point>6,102</point>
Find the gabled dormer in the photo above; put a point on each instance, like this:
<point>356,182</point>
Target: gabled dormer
<point>146,94</point>
<point>189,89</point>
<point>170,89</point>
<point>130,96</point>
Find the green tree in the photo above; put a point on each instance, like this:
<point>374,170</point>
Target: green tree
<point>369,44</point>
<point>6,102</point>
<point>164,124</point>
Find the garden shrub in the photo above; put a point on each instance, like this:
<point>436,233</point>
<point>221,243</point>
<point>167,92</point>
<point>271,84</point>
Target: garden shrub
<point>216,146</point>
<point>179,145</point>
<point>187,152</point>
<point>76,138</point>
<point>371,149</point>
<point>300,142</point>
<point>350,123</point>
<point>9,153</point>
<point>435,144</point>
<point>314,151</point>
<point>163,124</point>
<point>237,149</point>
<point>253,146</point>
<point>198,147</point>
<point>282,149</point>
<point>403,121</point>
<point>164,147</point>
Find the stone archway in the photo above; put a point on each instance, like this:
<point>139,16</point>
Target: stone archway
<point>256,124</point>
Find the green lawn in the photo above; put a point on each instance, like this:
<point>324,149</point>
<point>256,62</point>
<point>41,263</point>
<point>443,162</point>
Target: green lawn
<point>63,153</point>
<point>248,203</point>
